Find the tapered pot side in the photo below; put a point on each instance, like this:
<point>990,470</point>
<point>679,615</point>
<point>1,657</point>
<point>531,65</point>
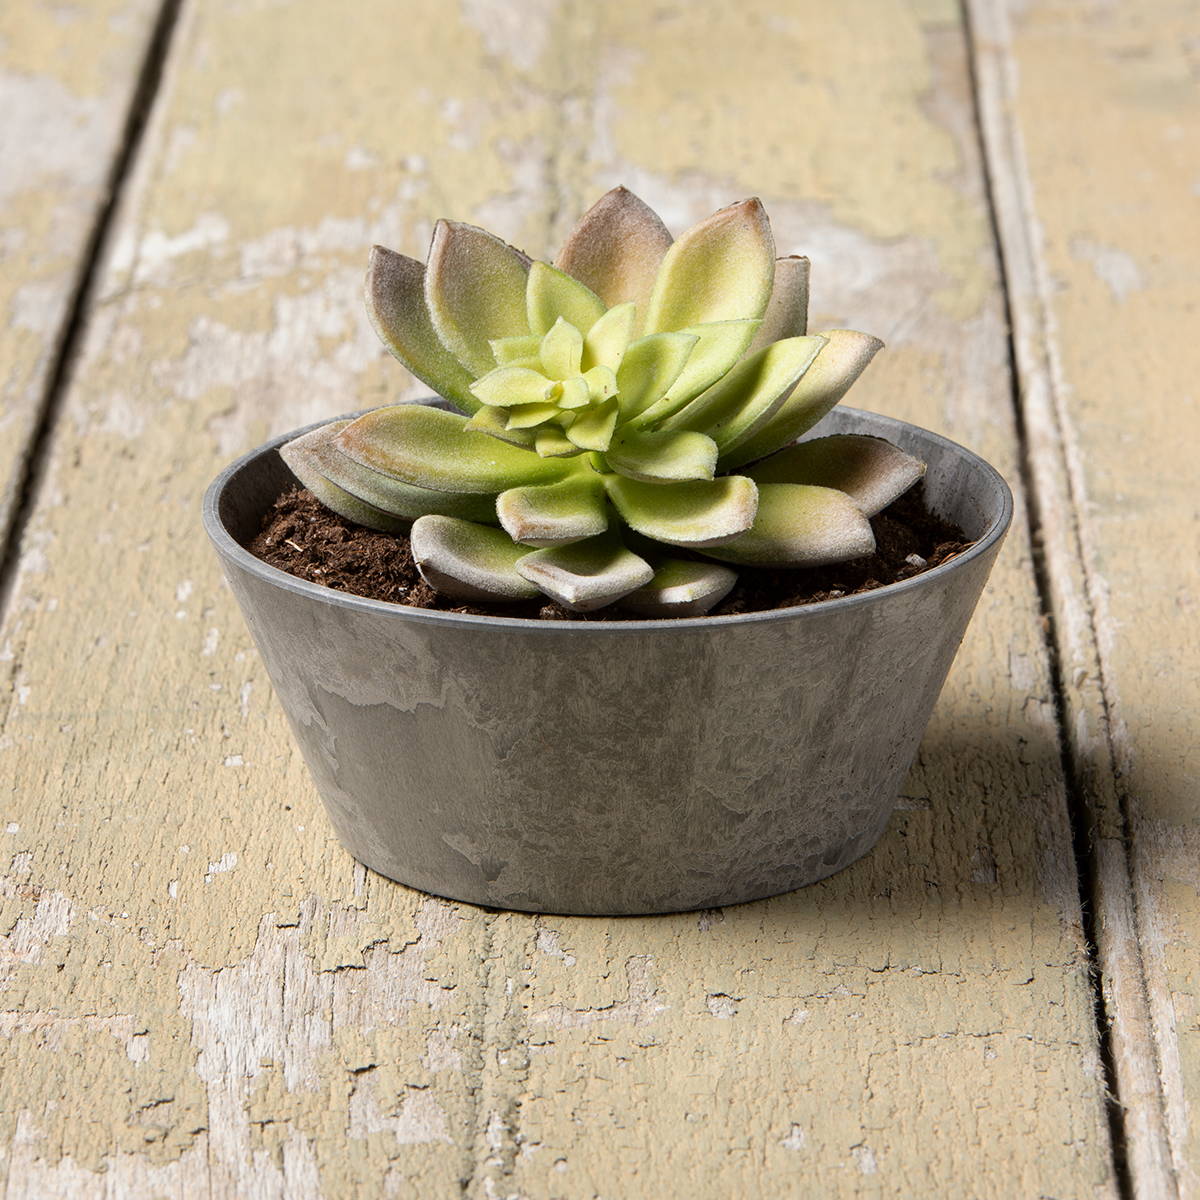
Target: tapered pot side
<point>613,767</point>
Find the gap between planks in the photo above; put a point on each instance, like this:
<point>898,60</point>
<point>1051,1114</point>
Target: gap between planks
<point>1124,1025</point>
<point>31,464</point>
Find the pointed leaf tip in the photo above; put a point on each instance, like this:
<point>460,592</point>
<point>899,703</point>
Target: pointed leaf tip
<point>838,364</point>
<point>616,249</point>
<point>394,291</point>
<point>870,470</point>
<point>719,270</point>
<point>475,292</point>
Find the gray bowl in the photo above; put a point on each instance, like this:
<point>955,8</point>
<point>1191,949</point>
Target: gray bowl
<point>616,767</point>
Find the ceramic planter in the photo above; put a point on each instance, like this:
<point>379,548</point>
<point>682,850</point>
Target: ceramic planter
<point>624,767</point>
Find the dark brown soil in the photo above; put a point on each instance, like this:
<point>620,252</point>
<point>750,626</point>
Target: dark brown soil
<point>301,536</point>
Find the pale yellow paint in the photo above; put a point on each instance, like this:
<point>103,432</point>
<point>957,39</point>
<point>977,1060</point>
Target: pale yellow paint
<point>67,77</point>
<point>1092,112</point>
<point>249,1013</point>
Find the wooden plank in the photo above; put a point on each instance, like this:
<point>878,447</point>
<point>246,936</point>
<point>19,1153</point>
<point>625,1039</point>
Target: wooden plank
<point>920,1025</point>
<point>1102,257</point>
<point>68,75</point>
<point>202,994</point>
<point>183,931</point>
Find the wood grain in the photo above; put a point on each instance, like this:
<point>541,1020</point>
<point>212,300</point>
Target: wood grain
<point>68,75</point>
<point>184,937</point>
<point>1102,257</point>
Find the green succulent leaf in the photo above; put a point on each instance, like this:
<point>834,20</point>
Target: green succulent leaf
<point>575,393</point>
<point>616,249</point>
<point>601,383</point>
<point>681,588</point>
<point>835,368</point>
<point>526,416</point>
<point>315,460</point>
<point>552,295</point>
<point>507,387</point>
<point>593,427</point>
<point>659,457</point>
<point>517,351</point>
<point>693,513</point>
<point>434,449</point>
<point>469,562</point>
<point>555,514</point>
<point>745,398</point>
<point>719,270</point>
<point>609,337</point>
<point>475,291</point>
<point>551,442</point>
<point>650,366</point>
<point>787,310</point>
<point>562,350</point>
<point>870,470</point>
<point>586,575</point>
<point>395,296</point>
<point>299,459</point>
<point>718,347</point>
<point>495,421</point>
<point>800,526</point>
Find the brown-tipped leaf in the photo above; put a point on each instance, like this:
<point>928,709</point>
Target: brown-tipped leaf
<point>787,310</point>
<point>315,460</point>
<point>719,270</point>
<point>870,470</point>
<point>475,291</point>
<point>395,296</point>
<point>616,249</point>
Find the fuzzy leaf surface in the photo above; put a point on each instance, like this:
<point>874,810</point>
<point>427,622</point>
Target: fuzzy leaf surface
<point>717,348</point>
<point>315,460</point>
<point>469,562</point>
<point>719,270</point>
<point>617,248</point>
<point>694,513</point>
<point>681,588</point>
<point>841,361</point>
<point>870,470</point>
<point>787,310</point>
<point>555,514</point>
<point>395,297</point>
<point>475,292</point>
<point>587,575</point>
<point>800,526</point>
<point>434,449</point>
<point>552,295</point>
<point>663,456</point>
<point>746,398</point>
<point>650,366</point>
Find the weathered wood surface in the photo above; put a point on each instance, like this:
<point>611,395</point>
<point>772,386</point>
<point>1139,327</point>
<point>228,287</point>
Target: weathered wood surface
<point>1090,112</point>
<point>68,75</point>
<point>203,994</point>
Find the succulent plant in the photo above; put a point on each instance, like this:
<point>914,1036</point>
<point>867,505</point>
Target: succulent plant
<point>638,397</point>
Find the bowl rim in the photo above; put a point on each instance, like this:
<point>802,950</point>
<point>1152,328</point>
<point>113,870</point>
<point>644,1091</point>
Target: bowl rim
<point>230,549</point>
